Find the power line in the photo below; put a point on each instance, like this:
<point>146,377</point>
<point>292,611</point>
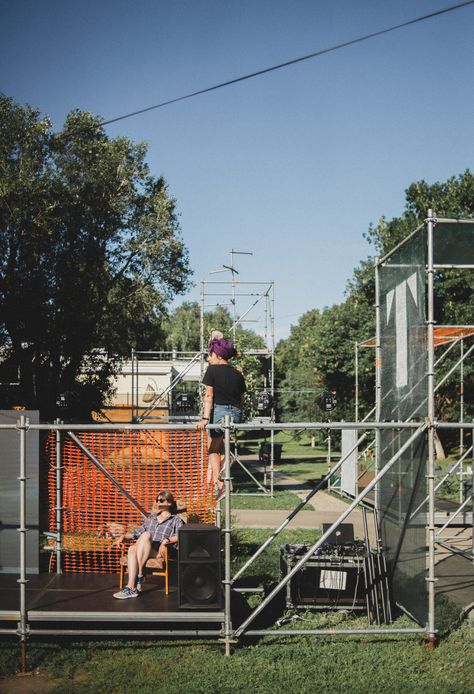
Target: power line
<point>316,54</point>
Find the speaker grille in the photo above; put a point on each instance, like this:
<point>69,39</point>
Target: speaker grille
<point>199,563</point>
<point>200,584</point>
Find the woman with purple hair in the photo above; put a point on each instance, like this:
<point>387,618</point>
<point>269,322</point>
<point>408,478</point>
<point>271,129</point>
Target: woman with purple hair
<point>225,387</point>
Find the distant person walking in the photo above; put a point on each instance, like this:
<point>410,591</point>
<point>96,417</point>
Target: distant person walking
<point>225,388</point>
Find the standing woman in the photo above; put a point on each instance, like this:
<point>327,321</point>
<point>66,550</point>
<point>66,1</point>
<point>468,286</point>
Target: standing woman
<point>225,388</point>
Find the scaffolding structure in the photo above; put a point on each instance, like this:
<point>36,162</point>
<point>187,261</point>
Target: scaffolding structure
<point>245,298</point>
<point>405,442</point>
<point>451,337</point>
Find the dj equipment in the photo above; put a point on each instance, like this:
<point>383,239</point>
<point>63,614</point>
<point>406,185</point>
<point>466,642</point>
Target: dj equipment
<point>342,574</point>
<point>199,566</point>
<point>333,578</point>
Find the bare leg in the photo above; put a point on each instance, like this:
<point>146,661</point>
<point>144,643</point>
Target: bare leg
<point>137,558</point>
<point>215,458</point>
<point>132,566</point>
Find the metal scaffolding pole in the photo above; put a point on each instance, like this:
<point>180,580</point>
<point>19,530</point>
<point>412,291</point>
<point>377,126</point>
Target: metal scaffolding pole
<point>321,485</point>
<point>243,627</point>
<point>356,377</point>
<point>461,417</point>
<point>23,625</point>
<point>227,539</point>
<point>431,435</point>
<point>59,509</point>
<point>378,385</point>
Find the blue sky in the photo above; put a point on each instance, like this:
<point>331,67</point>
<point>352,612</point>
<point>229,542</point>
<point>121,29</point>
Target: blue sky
<point>293,165</point>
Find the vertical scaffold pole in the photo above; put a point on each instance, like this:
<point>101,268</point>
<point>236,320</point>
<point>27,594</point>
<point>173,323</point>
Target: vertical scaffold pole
<point>134,411</point>
<point>201,374</point>
<point>431,434</point>
<point>472,505</point>
<point>461,419</point>
<point>23,627</point>
<point>356,379</point>
<point>272,376</point>
<point>378,385</point>
<point>227,532</point>
<point>59,509</point>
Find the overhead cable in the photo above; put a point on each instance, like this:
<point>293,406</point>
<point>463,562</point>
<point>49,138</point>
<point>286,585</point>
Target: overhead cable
<point>302,58</point>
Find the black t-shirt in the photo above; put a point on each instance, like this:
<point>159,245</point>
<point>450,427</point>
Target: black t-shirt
<point>227,382</point>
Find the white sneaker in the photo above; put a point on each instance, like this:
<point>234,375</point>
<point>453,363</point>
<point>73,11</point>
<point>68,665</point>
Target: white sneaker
<point>126,593</point>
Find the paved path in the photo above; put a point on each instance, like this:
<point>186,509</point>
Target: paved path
<point>327,508</point>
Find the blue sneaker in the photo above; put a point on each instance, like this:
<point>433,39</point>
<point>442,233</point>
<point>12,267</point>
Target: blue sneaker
<point>126,593</point>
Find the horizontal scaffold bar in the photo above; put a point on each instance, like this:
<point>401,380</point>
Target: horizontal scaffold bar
<point>238,427</point>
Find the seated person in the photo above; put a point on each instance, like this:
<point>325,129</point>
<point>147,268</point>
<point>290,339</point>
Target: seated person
<point>159,529</point>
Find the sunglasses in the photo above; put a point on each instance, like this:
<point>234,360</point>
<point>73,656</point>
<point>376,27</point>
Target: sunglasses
<point>161,500</point>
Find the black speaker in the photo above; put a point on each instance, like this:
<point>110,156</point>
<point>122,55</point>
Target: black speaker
<point>199,566</point>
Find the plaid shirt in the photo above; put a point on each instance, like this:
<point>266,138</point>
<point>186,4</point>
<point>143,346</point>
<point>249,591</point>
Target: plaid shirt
<point>159,531</point>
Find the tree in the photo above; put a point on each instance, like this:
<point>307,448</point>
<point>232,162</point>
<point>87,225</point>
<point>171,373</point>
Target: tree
<point>183,333</point>
<point>91,254</point>
<point>319,351</point>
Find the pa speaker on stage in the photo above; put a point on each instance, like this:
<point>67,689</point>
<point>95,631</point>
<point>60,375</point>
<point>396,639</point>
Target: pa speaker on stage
<point>199,566</point>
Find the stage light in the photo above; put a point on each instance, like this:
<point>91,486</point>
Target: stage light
<point>262,401</point>
<point>327,401</point>
<point>184,403</point>
<point>61,400</point>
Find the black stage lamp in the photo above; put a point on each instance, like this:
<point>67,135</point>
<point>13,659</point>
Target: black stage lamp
<point>263,401</point>
<point>327,401</point>
<point>184,403</point>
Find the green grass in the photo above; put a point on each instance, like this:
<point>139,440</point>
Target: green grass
<point>281,500</point>
<point>292,445</point>
<point>298,458</point>
<point>330,664</point>
<point>303,469</point>
<point>450,488</point>
<point>266,568</point>
<point>304,665</point>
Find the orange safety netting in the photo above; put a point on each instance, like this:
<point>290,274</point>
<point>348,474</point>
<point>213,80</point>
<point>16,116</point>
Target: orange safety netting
<point>442,335</point>
<point>94,510</point>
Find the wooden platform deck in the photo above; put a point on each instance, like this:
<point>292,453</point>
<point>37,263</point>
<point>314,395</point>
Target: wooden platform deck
<point>88,598</point>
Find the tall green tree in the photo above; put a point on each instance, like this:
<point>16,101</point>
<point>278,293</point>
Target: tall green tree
<point>183,333</point>
<point>90,256</point>
<point>319,353</point>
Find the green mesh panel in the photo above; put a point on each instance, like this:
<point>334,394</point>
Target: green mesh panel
<point>404,397</point>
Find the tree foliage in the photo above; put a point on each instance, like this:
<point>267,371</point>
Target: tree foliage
<point>319,353</point>
<point>183,334</point>
<point>90,255</point>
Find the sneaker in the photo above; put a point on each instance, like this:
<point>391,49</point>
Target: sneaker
<point>140,582</point>
<point>126,593</point>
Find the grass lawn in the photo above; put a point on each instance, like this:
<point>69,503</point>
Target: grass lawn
<point>330,664</point>
<point>281,500</point>
<point>298,458</point>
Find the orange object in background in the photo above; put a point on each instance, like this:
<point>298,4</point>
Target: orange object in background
<point>95,511</point>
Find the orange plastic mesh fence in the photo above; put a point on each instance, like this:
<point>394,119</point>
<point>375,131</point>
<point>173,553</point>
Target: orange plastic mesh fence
<point>94,510</point>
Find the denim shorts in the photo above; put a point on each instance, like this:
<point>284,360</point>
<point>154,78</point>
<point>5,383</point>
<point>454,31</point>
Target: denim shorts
<point>218,414</point>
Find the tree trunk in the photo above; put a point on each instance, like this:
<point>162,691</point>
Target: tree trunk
<point>440,454</point>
